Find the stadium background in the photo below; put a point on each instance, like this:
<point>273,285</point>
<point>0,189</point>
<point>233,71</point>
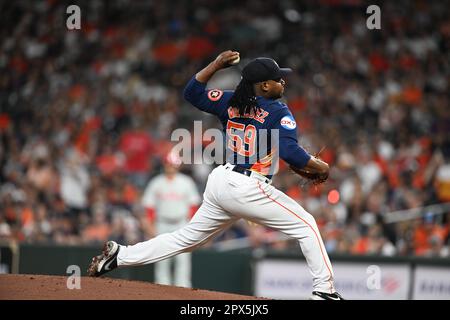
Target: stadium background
<point>86,116</point>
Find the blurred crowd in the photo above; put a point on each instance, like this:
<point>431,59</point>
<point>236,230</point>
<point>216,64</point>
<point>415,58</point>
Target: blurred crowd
<point>86,115</point>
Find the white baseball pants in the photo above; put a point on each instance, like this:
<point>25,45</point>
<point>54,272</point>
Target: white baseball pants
<point>181,275</point>
<point>228,197</point>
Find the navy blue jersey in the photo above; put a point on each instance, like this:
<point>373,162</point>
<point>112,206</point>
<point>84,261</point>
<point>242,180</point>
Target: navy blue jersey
<point>250,139</point>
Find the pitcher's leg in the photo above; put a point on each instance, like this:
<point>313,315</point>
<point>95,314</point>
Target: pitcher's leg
<point>182,274</point>
<point>297,223</point>
<point>301,225</point>
<point>276,210</point>
<point>163,273</point>
<point>208,221</point>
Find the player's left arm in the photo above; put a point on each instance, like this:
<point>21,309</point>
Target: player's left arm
<point>291,152</point>
<point>300,161</point>
<point>288,147</point>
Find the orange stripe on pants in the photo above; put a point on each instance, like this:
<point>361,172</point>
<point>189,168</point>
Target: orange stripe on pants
<point>315,233</point>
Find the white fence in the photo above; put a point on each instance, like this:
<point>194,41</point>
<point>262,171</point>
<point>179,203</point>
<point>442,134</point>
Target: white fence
<point>290,279</point>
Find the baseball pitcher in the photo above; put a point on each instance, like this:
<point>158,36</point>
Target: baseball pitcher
<point>241,188</point>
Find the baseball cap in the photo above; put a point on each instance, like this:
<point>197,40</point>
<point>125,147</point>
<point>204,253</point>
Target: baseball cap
<point>173,159</point>
<point>262,69</point>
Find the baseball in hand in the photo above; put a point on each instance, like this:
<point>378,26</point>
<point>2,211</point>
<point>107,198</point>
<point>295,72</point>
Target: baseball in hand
<point>235,61</point>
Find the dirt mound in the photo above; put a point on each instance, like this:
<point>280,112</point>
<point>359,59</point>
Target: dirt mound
<point>40,287</point>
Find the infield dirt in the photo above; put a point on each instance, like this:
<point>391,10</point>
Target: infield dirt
<point>43,287</point>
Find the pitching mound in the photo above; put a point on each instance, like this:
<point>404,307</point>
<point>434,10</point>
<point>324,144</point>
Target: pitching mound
<point>40,287</point>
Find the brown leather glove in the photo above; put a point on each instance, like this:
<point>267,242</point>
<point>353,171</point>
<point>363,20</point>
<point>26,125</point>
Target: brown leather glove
<point>315,178</point>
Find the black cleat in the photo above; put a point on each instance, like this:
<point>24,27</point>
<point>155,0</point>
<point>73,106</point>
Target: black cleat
<point>317,295</point>
<point>105,262</point>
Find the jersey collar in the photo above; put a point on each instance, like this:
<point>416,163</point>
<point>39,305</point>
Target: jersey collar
<point>263,100</point>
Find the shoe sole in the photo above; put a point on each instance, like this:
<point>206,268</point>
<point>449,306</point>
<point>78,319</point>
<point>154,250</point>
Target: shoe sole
<point>106,253</point>
<point>318,297</point>
<point>92,270</point>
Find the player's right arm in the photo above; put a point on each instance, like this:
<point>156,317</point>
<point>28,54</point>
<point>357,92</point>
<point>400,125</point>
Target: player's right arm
<point>195,91</point>
<point>222,61</point>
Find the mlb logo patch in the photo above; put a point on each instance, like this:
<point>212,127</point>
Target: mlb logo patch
<point>215,94</point>
<point>288,123</point>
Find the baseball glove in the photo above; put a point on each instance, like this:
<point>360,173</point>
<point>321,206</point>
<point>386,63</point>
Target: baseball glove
<point>314,177</point>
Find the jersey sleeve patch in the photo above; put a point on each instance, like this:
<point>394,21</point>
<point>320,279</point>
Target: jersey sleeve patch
<point>288,123</point>
<point>215,94</point>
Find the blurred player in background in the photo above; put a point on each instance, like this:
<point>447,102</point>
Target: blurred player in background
<point>171,199</point>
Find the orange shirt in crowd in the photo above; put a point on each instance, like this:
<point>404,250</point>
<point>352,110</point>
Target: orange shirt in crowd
<point>137,147</point>
<point>422,236</point>
<point>97,232</point>
<point>360,246</point>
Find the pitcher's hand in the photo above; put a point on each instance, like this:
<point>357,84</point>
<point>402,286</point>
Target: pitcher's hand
<point>225,59</point>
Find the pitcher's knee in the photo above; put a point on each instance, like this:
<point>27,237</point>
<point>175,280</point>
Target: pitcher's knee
<point>305,225</point>
<point>310,219</point>
<point>188,237</point>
